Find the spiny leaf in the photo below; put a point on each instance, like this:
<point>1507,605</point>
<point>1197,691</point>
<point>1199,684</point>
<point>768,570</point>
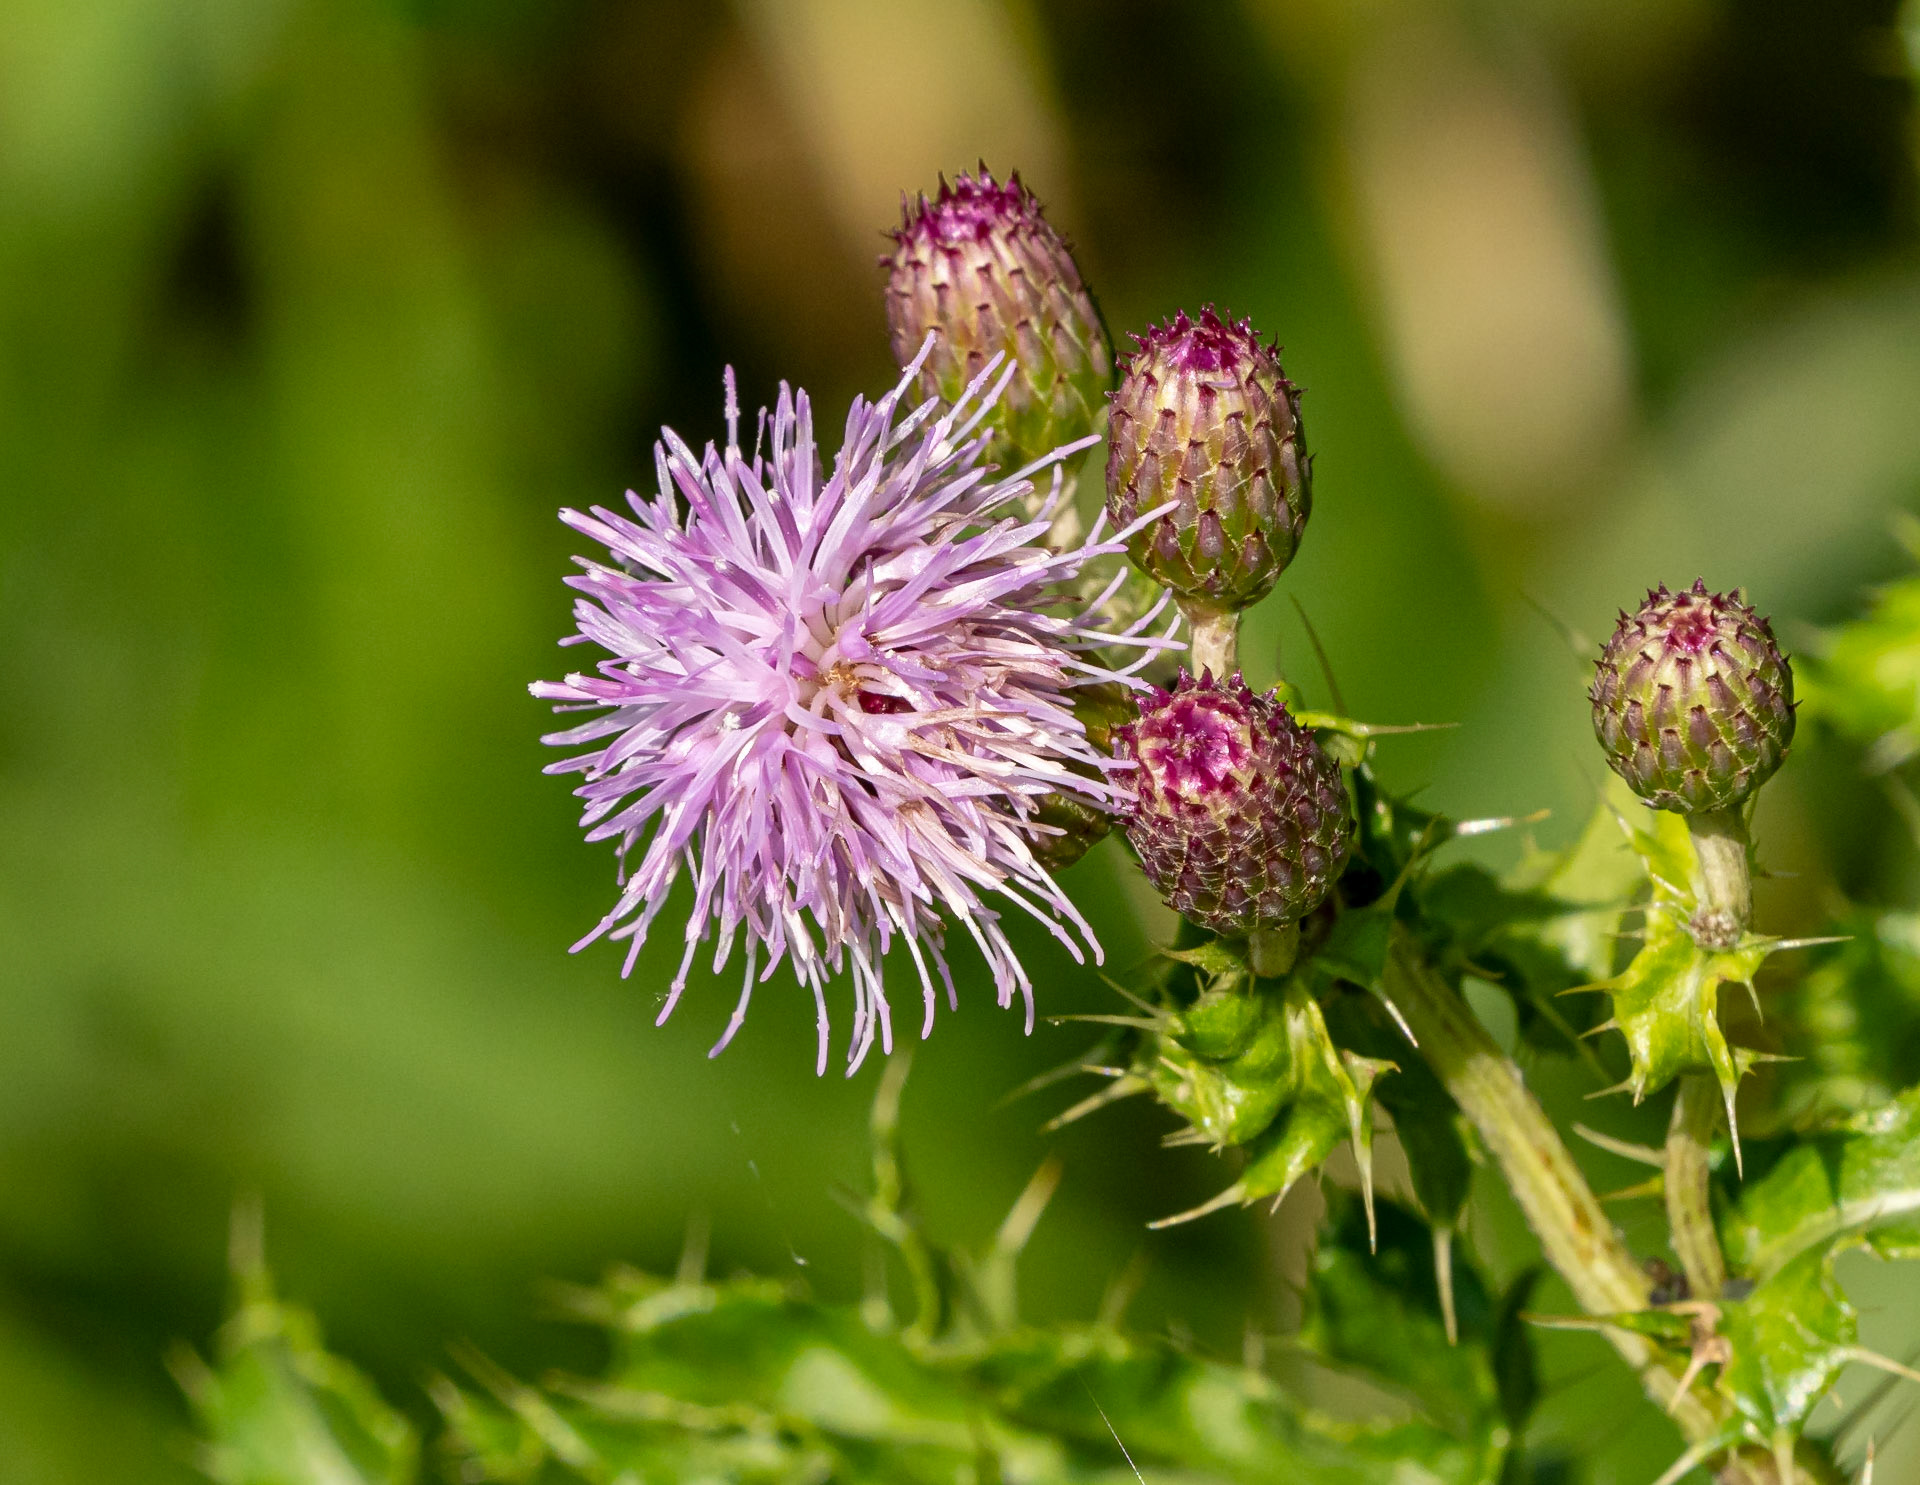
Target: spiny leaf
<point>747,1382</point>
<point>1382,1312</point>
<point>1861,1176</point>
<point>275,1407</point>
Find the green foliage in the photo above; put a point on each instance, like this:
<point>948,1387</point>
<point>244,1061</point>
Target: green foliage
<point>276,1408</point>
<point>1464,1359</point>
<point>1858,1178</point>
<point>1853,1018</point>
<point>1864,680</point>
<point>751,1381</point>
<point>1776,1340</point>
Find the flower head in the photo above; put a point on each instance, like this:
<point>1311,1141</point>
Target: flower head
<point>981,269</point>
<point>1205,418</point>
<point>1693,700</point>
<point>1239,818</point>
<point>836,696</point>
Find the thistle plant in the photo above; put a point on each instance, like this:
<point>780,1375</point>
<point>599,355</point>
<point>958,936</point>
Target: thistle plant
<point>864,698</point>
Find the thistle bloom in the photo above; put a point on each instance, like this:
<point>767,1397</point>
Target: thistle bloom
<point>837,698</point>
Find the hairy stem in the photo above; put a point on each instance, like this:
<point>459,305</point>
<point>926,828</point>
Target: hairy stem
<point>1696,1115</point>
<point>1575,1232</point>
<point>1215,644</point>
<point>1726,886</point>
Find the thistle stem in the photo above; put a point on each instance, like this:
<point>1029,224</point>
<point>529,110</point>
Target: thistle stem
<point>1726,885</point>
<point>1577,1236</point>
<point>1272,951</point>
<point>1696,1115</point>
<point>1215,645</point>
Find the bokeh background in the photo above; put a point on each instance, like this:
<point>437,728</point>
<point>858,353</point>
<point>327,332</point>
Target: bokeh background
<point>312,312</point>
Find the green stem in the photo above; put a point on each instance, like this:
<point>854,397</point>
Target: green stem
<point>1272,951</point>
<point>1696,1116</point>
<point>1575,1233</point>
<point>1726,885</point>
<point>1215,643</point>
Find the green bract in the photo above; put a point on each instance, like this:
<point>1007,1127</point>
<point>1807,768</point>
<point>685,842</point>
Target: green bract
<point>1206,420</point>
<point>1693,701</point>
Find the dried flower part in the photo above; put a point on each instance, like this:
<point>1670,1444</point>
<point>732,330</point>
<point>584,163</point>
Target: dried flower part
<point>1206,419</point>
<point>1693,701</point>
<point>981,269</point>
<point>835,698</point>
<point>1239,818</point>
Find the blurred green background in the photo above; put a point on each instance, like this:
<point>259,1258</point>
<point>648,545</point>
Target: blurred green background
<point>312,312</point>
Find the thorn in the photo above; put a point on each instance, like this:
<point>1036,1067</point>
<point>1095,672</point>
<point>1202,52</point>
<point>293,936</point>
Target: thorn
<point>1733,1129</point>
<point>1127,995</point>
<point>1647,1190</point>
<point>1138,1023</point>
<point>1626,1087</point>
<point>1054,1075</point>
<point>1490,824</point>
<point>1443,1276</point>
<point>1866,1473</point>
<point>1696,1364</point>
<point>1698,1454</point>
<point>1326,666</point>
<point>1028,1208</point>
<point>1120,1088</point>
<point>1885,1363</point>
<point>1232,1196</point>
<point>1626,1150</point>
<point>1781,945</point>
<point>1607,1025</point>
<point>1398,1019</point>
<point>693,1249</point>
<point>1584,990</point>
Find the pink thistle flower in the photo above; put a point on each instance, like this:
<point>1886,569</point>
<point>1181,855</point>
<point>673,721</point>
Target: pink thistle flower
<point>837,698</point>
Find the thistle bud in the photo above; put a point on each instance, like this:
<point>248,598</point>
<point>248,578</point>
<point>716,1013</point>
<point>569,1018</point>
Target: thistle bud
<point>980,266</point>
<point>1238,817</point>
<point>1693,701</point>
<point>1205,418</point>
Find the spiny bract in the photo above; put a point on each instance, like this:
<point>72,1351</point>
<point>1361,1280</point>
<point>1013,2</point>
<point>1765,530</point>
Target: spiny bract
<point>1206,419</point>
<point>1239,819</point>
<point>1693,701</point>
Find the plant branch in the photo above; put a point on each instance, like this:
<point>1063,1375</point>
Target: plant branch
<point>1726,885</point>
<point>1215,643</point>
<point>1696,1115</point>
<point>1575,1233</point>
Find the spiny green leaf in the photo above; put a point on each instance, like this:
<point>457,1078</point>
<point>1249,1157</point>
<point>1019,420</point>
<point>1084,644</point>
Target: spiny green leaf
<point>748,1382</point>
<point>1864,679</point>
<point>1854,1016</point>
<point>1666,1005</point>
<point>1861,1176</point>
<point>1790,1339</point>
<point>1425,1117</point>
<point>1383,1312</point>
<point>276,1408</point>
<point>1325,1099</point>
